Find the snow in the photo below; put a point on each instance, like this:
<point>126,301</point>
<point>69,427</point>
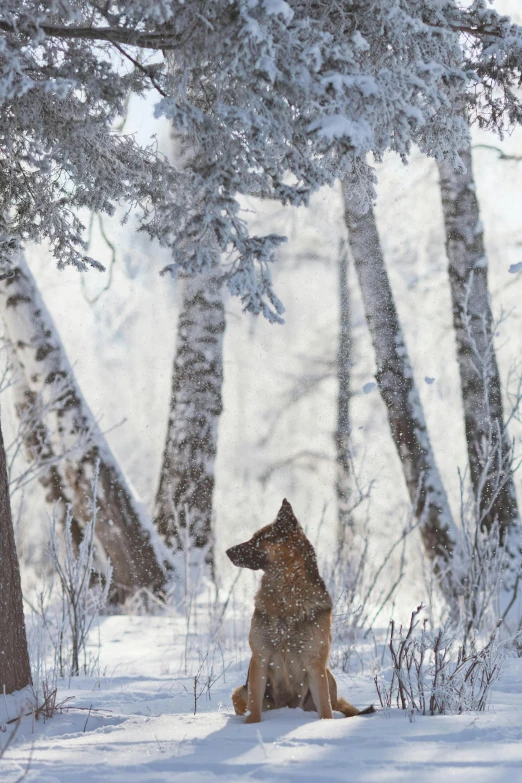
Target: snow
<point>145,730</point>
<point>360,41</point>
<point>337,126</point>
<point>277,7</point>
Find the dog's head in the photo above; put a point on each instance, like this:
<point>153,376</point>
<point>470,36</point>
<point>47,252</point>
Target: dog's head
<point>274,544</point>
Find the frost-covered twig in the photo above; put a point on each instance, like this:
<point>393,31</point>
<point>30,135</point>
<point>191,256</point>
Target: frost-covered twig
<point>430,674</point>
<point>486,565</point>
<point>80,602</point>
<point>305,459</point>
<point>501,154</point>
<point>362,588</point>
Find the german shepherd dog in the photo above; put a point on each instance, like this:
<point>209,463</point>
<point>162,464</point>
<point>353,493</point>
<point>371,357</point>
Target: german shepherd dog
<point>290,633</point>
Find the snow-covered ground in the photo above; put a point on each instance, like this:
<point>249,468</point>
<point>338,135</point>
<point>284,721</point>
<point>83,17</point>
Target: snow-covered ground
<point>142,728</point>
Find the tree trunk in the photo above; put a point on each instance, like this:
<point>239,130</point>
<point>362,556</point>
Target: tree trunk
<point>489,447</point>
<point>343,432</point>
<point>42,461</point>
<point>15,671</point>
<point>397,386</point>
<point>187,472</point>
<point>72,431</point>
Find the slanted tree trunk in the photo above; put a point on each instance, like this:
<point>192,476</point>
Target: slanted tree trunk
<point>397,386</point>
<point>42,462</point>
<point>187,471</point>
<point>72,430</point>
<point>15,671</point>
<point>489,447</point>
<point>343,431</point>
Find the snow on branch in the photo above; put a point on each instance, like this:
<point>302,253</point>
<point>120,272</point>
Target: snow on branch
<point>275,99</point>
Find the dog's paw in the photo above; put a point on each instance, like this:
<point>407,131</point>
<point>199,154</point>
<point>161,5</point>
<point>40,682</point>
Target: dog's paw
<point>253,718</point>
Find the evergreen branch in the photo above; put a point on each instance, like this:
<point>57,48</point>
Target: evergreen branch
<point>115,35</point>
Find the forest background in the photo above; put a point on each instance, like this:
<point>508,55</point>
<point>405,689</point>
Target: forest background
<point>276,432</point>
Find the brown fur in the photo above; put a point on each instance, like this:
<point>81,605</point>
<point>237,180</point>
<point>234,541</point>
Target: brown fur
<point>290,633</point>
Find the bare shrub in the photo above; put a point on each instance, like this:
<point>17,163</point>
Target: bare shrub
<point>429,673</point>
<point>44,670</point>
<point>491,502</point>
<point>204,681</point>
<point>485,569</point>
<point>480,566</point>
<point>360,587</point>
<point>82,592</point>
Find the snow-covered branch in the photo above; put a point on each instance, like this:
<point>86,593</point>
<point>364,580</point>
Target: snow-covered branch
<point>275,99</point>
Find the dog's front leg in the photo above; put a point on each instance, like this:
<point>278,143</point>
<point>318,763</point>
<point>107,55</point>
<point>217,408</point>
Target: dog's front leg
<point>318,680</point>
<point>257,675</point>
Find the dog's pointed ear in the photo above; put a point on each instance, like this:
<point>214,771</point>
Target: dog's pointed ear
<point>286,516</point>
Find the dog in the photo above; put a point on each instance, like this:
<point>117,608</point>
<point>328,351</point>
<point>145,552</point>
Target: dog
<point>290,633</point>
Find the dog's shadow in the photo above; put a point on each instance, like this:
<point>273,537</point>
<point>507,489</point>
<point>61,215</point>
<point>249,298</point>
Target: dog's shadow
<point>240,748</point>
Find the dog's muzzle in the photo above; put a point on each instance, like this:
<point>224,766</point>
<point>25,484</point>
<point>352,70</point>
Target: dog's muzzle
<point>247,556</point>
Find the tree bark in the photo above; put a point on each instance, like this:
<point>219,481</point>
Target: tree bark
<point>34,437</point>
<point>489,447</point>
<point>71,430</point>
<point>343,432</point>
<point>15,671</point>
<point>397,386</point>
<point>187,472</point>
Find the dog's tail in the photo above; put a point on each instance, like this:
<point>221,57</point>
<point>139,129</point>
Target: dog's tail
<point>349,711</point>
<point>239,700</point>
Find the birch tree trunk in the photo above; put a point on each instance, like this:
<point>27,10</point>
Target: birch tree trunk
<point>343,432</point>
<point>186,483</point>
<point>397,386</point>
<point>42,462</point>
<point>72,430</point>
<point>489,447</point>
<point>187,472</point>
<point>15,671</point>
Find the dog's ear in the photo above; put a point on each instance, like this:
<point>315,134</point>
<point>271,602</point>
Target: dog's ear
<point>286,517</point>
